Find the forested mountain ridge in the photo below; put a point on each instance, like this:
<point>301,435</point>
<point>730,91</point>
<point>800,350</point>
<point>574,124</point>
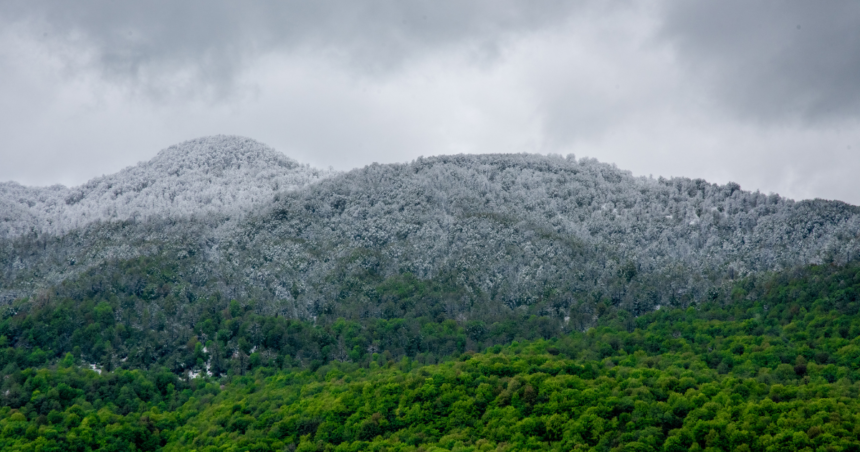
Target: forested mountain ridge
<point>183,194</point>
<point>219,175</point>
<point>222,297</point>
<point>521,230</point>
<point>553,236</point>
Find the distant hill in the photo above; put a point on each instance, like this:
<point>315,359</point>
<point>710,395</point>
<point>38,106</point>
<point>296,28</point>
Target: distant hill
<point>496,234</point>
<point>220,175</point>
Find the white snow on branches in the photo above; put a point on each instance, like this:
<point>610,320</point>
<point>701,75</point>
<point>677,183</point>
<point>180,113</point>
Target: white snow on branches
<point>222,175</point>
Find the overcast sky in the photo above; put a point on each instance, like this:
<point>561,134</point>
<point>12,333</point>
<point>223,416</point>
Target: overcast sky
<point>766,94</point>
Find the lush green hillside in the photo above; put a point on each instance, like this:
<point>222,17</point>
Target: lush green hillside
<point>777,367</point>
<point>140,313</point>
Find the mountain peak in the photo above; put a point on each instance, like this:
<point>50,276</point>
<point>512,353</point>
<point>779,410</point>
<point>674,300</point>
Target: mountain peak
<point>219,152</point>
<point>210,175</point>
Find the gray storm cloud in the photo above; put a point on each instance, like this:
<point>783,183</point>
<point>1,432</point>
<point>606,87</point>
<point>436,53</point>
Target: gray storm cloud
<point>774,61</point>
<point>210,42</point>
<point>770,60</point>
<point>764,93</point>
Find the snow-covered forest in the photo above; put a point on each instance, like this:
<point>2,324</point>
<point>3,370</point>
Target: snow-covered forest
<point>556,236</point>
<point>522,230</point>
<point>220,175</point>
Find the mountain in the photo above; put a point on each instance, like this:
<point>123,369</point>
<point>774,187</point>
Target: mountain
<point>526,231</point>
<point>551,236</point>
<point>224,297</point>
<point>220,175</point>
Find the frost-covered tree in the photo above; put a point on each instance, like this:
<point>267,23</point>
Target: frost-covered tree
<point>556,236</point>
<point>221,175</point>
<point>525,229</point>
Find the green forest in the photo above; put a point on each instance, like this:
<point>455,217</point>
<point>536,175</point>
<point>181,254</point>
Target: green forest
<point>771,365</point>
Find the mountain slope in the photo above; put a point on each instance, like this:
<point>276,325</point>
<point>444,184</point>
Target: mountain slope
<point>228,298</point>
<point>526,232</point>
<point>220,175</point>
<point>778,373</point>
<point>497,235</point>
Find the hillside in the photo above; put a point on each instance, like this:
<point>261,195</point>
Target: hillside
<point>543,235</point>
<point>778,373</point>
<point>526,231</point>
<point>220,175</point>
<point>224,297</point>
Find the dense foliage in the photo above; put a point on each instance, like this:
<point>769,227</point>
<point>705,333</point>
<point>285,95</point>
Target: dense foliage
<point>777,367</point>
<point>141,312</point>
